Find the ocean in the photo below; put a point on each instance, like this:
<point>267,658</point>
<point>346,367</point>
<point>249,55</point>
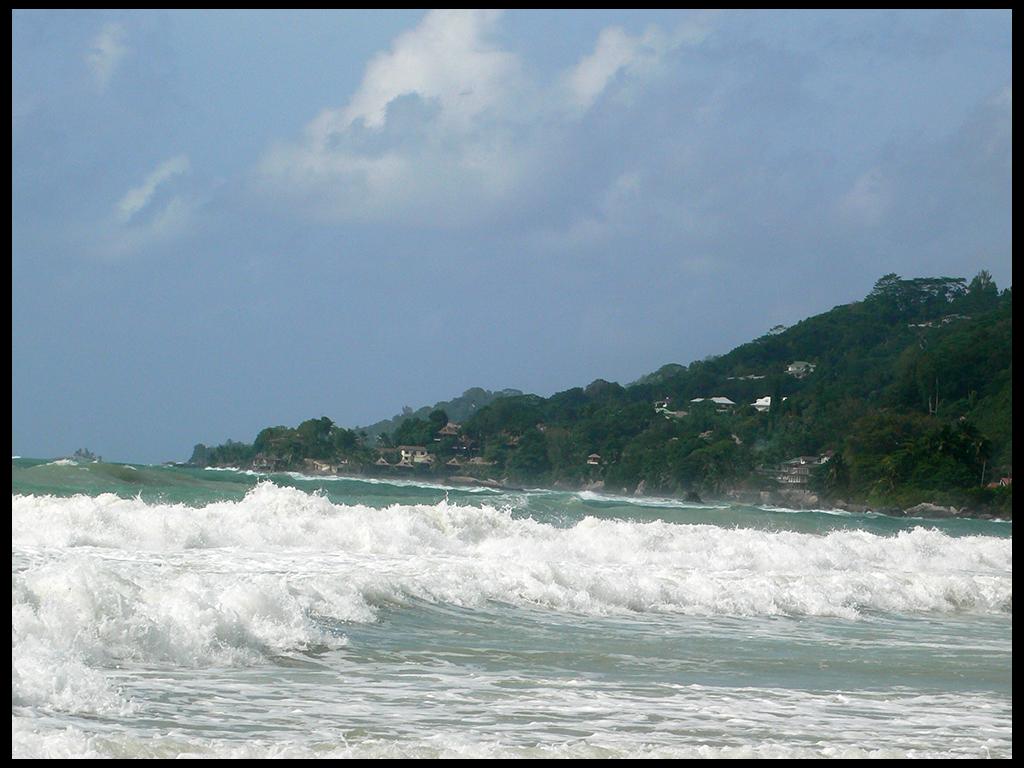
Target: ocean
<point>162,611</point>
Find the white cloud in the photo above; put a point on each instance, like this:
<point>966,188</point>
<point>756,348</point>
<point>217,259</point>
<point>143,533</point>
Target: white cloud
<point>138,222</point>
<point>444,129</point>
<point>614,50</point>
<point>446,60</point>
<point>172,220</point>
<point>138,197</point>
<point>453,139</point>
<point>106,53</point>
<point>868,200</point>
<point>617,52</point>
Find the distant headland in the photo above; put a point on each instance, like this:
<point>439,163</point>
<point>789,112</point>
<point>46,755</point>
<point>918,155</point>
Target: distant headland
<point>900,403</point>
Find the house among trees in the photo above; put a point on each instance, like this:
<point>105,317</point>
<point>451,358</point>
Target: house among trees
<point>800,368</point>
<point>414,454</point>
<point>797,471</point>
<point>318,466</point>
<point>594,459</point>
<point>722,404</point>
<point>661,406</point>
<point>451,429</point>
<point>763,404</point>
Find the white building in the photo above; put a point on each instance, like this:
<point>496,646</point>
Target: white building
<point>800,368</point>
<point>414,454</point>
<point>765,403</point>
<point>721,403</point>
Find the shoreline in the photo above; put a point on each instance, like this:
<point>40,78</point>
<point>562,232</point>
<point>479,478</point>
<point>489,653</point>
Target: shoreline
<point>790,498</point>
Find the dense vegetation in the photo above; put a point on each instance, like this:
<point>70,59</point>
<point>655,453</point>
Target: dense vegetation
<point>909,390</point>
<point>458,409</point>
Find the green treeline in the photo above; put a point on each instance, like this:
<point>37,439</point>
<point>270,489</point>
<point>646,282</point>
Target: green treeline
<point>909,391</point>
<point>288,448</point>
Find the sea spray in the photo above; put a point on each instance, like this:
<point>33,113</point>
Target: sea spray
<point>470,554</point>
<point>182,616</point>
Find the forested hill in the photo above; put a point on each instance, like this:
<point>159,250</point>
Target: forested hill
<point>457,409</point>
<point>903,397</point>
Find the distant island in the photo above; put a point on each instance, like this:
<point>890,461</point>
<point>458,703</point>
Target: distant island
<point>901,403</point>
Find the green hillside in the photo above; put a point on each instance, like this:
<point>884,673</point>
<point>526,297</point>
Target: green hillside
<point>902,398</point>
<point>910,389</point>
<point>457,409</point>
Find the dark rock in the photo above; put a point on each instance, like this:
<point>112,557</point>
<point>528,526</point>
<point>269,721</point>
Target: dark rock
<point>931,511</point>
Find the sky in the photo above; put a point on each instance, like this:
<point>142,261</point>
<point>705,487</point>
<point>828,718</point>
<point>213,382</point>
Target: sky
<point>223,221</point>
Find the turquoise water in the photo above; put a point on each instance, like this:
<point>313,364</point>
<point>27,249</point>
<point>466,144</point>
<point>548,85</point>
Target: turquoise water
<point>166,611</point>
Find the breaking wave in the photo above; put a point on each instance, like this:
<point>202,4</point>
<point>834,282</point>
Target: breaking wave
<point>468,555</point>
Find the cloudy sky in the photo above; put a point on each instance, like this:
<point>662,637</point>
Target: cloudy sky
<point>225,220</point>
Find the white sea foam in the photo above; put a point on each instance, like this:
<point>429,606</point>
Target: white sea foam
<point>98,581</point>
<point>102,611</point>
<point>104,588</point>
<point>788,510</point>
<point>584,721</point>
<point>647,501</point>
<point>466,555</point>
<point>395,482</point>
<point>73,743</point>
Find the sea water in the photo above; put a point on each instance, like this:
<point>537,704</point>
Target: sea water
<point>174,612</point>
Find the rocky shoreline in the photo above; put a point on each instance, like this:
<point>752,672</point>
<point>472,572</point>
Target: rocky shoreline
<point>804,499</point>
<point>791,498</point>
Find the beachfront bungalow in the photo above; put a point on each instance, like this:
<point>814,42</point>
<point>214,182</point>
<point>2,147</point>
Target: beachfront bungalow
<point>797,471</point>
<point>382,462</point>
<point>315,465</point>
<point>594,459</point>
<point>413,454</point>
